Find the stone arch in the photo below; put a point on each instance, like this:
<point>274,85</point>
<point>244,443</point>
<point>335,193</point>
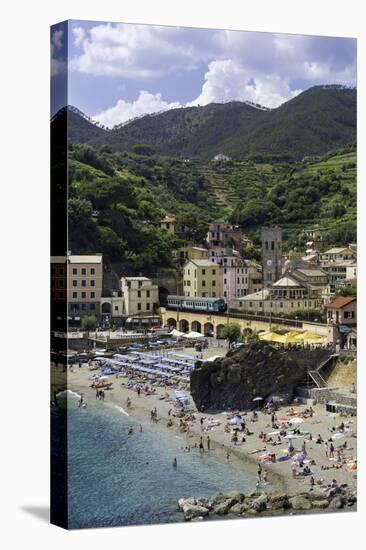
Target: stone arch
<point>106,307</point>
<point>219,330</point>
<point>171,322</point>
<point>183,325</point>
<point>208,329</point>
<point>196,326</point>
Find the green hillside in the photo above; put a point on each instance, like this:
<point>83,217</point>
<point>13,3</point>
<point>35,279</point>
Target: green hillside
<point>117,199</point>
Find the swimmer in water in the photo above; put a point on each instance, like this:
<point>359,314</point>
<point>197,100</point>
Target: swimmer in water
<point>175,463</point>
<point>130,430</point>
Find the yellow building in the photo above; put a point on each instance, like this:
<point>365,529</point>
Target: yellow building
<point>191,252</point>
<point>201,278</point>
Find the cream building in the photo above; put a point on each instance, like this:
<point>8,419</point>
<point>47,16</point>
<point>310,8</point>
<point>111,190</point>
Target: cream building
<point>81,280</point>
<point>168,223</point>
<point>202,278</point>
<point>141,297</point>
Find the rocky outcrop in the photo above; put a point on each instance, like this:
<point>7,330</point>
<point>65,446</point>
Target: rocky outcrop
<point>256,370</point>
<point>235,503</point>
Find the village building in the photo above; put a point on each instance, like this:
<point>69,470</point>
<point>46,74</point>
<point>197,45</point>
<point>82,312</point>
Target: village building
<point>112,308</point>
<point>301,289</point>
<point>141,301</point>
<point>222,234</point>
<point>192,252</point>
<point>221,158</point>
<point>339,263</point>
<point>77,280</point>
<point>238,277</point>
<point>342,321</point>
<point>271,254</point>
<point>168,223</point>
<point>202,278</point>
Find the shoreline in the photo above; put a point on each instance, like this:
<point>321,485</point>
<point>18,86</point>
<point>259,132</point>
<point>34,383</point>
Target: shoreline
<point>279,473</point>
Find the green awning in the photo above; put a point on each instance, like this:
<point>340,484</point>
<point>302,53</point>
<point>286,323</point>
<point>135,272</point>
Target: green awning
<point>344,329</point>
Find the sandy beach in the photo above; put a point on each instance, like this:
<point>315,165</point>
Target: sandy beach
<point>324,468</point>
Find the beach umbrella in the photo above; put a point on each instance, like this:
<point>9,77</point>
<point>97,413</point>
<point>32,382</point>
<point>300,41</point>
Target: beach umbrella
<point>298,457</point>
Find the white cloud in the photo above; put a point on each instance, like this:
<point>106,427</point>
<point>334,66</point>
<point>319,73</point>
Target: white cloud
<point>225,81</point>
<point>123,110</point>
<point>58,62</point>
<point>228,80</point>
<point>79,35</point>
<point>242,66</point>
<point>131,51</point>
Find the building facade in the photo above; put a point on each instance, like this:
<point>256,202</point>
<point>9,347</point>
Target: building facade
<point>342,321</point>
<point>340,264</point>
<point>238,277</point>
<point>221,234</point>
<point>141,296</point>
<point>80,279</point>
<point>168,223</point>
<point>202,278</point>
<point>271,254</point>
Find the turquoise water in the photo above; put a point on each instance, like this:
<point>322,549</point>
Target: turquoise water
<point>121,479</point>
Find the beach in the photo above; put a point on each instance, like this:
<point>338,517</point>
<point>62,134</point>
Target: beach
<point>280,475</point>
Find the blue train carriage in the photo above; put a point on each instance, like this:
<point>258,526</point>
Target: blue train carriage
<point>196,303</point>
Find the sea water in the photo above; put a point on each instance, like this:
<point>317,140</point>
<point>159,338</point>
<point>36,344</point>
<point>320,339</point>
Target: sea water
<point>121,479</point>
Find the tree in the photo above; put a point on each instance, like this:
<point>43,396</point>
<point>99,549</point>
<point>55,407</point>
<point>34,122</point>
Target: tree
<point>143,149</point>
<point>348,290</point>
<point>89,323</point>
<point>231,332</point>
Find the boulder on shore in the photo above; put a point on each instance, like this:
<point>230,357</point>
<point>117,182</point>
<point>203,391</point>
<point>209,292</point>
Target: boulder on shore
<point>320,504</point>
<point>260,504</point>
<point>192,511</point>
<point>300,502</point>
<point>234,380</point>
<point>239,508</point>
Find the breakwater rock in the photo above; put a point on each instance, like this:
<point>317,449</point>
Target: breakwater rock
<point>232,382</point>
<point>235,503</point>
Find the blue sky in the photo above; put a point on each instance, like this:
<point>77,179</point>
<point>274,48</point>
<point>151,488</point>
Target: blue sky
<point>117,71</point>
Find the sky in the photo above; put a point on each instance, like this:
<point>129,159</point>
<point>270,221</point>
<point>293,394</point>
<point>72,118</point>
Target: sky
<point>116,71</point>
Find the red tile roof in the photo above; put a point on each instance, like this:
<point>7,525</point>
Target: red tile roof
<point>341,301</point>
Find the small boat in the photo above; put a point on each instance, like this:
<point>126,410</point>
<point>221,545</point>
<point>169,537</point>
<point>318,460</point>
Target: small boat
<point>94,367</point>
<point>101,382</point>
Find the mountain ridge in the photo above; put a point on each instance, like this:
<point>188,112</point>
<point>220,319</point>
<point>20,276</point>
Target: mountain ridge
<point>321,119</point>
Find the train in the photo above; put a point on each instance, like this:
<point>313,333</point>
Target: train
<point>196,303</point>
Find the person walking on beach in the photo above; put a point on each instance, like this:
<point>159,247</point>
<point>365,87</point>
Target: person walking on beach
<point>326,448</point>
<point>102,395</point>
<point>81,400</point>
<point>303,448</point>
<point>312,483</point>
<point>265,476</point>
<point>331,451</point>
<point>175,463</point>
<point>227,454</point>
<point>202,450</point>
<point>141,430</point>
<point>208,442</point>
<point>259,472</point>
